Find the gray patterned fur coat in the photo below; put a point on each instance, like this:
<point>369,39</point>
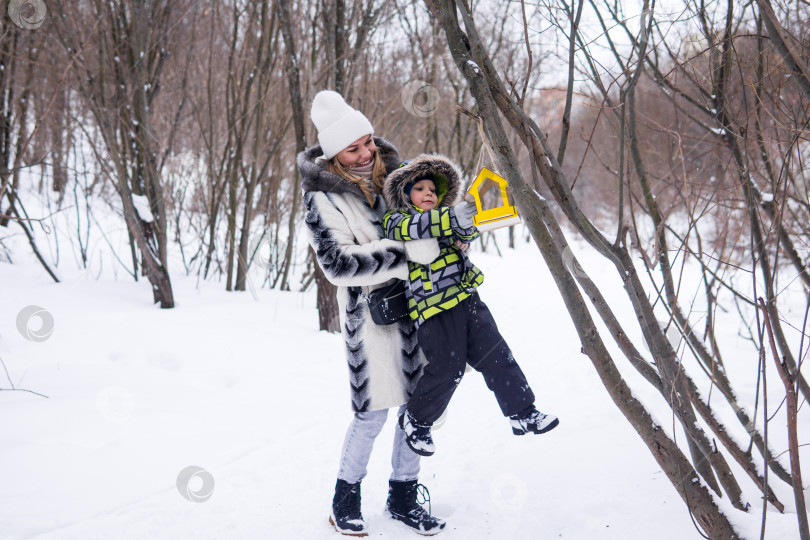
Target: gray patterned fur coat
<point>347,235</point>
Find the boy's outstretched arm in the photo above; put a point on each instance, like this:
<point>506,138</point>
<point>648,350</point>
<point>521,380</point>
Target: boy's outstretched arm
<point>437,223</point>
<point>434,223</point>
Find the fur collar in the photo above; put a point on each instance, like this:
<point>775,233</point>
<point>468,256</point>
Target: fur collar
<point>446,173</point>
<point>315,178</point>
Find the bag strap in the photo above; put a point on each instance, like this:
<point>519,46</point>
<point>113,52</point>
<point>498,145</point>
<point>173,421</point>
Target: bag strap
<point>359,292</point>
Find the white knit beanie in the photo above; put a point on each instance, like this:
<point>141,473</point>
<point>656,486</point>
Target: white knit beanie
<point>339,125</point>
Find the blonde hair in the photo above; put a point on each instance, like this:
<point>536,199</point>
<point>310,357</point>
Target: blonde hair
<point>371,189</point>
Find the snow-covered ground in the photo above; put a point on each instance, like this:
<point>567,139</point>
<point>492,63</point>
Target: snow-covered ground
<point>250,391</point>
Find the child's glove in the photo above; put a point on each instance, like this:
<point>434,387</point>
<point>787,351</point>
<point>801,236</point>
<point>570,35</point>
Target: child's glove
<point>464,214</point>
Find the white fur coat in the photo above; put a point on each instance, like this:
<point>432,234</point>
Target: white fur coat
<point>384,361</point>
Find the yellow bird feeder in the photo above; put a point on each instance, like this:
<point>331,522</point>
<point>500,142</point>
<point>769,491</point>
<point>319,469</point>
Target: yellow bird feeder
<point>504,213</point>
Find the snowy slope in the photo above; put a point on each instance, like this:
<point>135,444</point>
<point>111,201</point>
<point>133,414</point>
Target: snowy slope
<point>250,391</point>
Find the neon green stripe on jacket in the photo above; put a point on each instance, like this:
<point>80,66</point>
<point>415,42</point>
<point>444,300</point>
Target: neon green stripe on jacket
<point>431,224</point>
<point>447,280</point>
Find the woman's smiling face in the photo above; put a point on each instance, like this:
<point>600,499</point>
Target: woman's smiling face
<point>358,154</point>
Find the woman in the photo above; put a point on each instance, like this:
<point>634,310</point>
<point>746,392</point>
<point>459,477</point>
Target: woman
<point>342,181</point>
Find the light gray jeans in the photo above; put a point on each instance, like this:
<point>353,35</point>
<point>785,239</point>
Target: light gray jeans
<point>359,441</point>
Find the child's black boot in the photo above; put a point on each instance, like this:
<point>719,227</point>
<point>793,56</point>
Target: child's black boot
<point>530,420</point>
<point>346,516</point>
<point>417,436</point>
<point>403,506</point>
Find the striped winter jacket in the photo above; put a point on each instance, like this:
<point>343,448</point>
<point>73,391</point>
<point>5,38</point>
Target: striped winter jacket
<point>451,277</point>
<point>385,362</point>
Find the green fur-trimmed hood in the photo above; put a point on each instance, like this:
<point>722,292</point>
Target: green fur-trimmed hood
<point>446,174</point>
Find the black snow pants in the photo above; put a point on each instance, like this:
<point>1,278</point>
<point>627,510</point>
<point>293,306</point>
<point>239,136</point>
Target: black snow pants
<point>466,334</point>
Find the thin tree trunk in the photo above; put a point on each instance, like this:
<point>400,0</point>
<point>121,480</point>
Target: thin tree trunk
<point>296,98</point>
<point>791,402</point>
<point>468,54</point>
<point>784,44</point>
<point>327,292</point>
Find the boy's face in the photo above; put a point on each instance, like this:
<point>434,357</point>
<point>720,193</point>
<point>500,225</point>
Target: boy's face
<point>423,195</point>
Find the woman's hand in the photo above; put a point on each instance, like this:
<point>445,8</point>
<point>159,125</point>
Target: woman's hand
<point>461,245</point>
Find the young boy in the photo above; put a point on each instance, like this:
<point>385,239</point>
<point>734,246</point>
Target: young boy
<point>455,327</point>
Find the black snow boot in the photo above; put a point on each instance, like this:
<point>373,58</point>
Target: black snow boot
<point>530,420</point>
<point>346,516</point>
<point>417,436</point>
<point>403,506</point>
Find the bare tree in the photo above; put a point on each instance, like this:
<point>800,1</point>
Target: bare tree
<point>20,49</point>
<point>119,55</point>
<point>702,102</point>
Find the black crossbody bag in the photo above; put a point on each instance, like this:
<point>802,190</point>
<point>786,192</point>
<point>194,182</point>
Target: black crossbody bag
<point>388,304</point>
